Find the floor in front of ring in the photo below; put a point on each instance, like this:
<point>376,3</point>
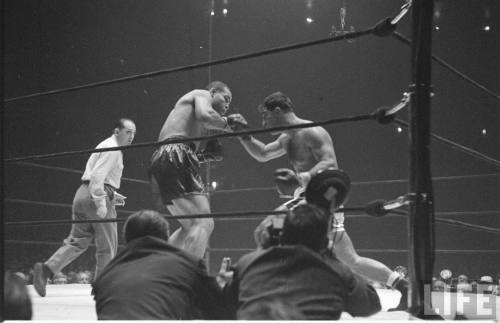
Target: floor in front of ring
<point>73,302</point>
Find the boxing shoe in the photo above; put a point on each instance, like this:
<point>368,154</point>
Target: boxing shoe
<point>401,285</point>
<point>427,312</point>
<point>41,274</point>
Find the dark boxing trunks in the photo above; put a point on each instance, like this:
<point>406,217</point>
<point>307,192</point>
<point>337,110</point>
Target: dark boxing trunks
<point>176,169</point>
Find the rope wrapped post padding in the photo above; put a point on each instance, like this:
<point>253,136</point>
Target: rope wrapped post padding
<point>421,235</point>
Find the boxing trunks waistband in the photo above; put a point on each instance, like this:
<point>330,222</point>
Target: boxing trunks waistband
<point>190,144</point>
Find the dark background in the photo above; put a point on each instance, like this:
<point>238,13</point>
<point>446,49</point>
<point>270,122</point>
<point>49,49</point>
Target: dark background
<point>54,44</point>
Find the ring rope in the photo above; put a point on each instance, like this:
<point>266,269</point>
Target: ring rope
<point>376,115</point>
<point>273,50</point>
<point>30,202</point>
<point>185,216</point>
<point>448,66</point>
<point>455,145</point>
<point>76,171</point>
<point>363,117</point>
<point>475,213</point>
<point>461,224</point>
<point>445,213</point>
<point>176,217</point>
<point>389,181</point>
<point>354,183</point>
<point>250,213</point>
<point>455,251</point>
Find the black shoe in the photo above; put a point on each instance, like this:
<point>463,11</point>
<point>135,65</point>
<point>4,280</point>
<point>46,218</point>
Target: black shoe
<point>429,314</point>
<point>39,279</point>
<point>402,286</point>
<point>403,304</point>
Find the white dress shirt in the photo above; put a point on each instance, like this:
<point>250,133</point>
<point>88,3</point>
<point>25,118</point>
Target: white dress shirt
<point>104,168</point>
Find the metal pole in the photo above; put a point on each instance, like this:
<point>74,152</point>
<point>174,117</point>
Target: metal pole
<point>2,76</point>
<point>421,224</point>
<point>208,174</point>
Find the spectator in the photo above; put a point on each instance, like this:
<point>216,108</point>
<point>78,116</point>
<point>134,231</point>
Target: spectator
<point>83,277</point>
<point>485,285</point>
<point>17,301</point>
<point>149,279</point>
<point>72,277</point>
<point>438,285</point>
<point>296,274</point>
<point>463,284</point>
<point>21,275</point>
<point>59,278</point>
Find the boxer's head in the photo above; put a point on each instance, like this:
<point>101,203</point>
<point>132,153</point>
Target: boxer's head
<point>306,225</point>
<point>273,109</point>
<point>221,96</point>
<point>146,223</point>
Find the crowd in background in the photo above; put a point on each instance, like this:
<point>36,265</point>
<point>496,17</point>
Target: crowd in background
<point>81,274</point>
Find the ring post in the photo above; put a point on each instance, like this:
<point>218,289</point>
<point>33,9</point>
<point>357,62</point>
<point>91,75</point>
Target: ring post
<point>421,224</point>
<point>2,70</point>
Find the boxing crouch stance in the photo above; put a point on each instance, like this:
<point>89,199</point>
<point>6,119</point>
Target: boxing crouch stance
<point>174,172</point>
<point>310,150</point>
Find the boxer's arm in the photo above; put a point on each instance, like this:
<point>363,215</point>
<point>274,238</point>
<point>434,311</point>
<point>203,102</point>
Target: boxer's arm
<point>262,152</point>
<point>207,115</point>
<point>321,145</point>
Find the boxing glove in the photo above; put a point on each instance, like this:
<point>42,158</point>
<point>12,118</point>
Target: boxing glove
<point>286,181</point>
<point>212,152</point>
<point>237,122</point>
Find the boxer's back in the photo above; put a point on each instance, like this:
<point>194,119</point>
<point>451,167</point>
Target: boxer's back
<point>299,146</point>
<point>182,121</point>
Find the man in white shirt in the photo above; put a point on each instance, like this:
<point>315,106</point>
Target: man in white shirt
<point>95,199</point>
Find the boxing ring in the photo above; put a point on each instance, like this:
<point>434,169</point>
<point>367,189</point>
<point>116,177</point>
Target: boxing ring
<point>415,206</point>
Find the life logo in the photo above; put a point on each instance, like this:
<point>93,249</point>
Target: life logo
<point>468,305</point>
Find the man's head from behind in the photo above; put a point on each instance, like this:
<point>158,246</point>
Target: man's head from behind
<point>17,301</point>
<point>146,223</point>
<point>306,225</point>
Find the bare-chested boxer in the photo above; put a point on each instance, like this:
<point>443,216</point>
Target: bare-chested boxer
<point>174,171</point>
<point>310,150</point>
